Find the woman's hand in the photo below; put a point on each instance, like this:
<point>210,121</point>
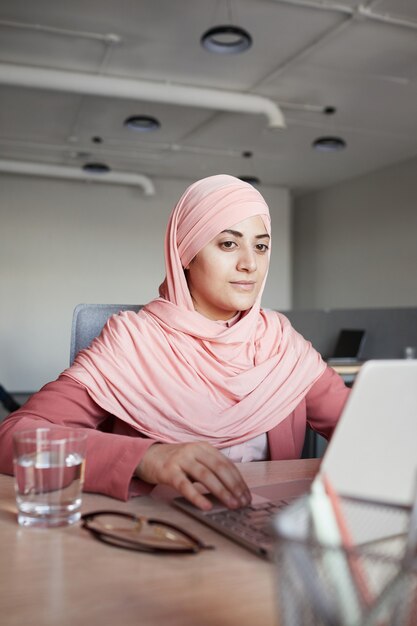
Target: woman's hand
<point>182,464</point>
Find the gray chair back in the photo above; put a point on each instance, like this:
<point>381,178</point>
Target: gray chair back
<point>89,319</point>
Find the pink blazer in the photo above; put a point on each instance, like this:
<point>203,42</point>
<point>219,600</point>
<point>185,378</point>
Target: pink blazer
<point>114,449</point>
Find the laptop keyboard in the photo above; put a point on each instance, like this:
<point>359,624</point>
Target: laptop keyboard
<point>250,525</point>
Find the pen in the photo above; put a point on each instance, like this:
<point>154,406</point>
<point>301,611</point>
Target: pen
<point>327,533</point>
<point>347,542</point>
<point>320,599</point>
<point>396,594</point>
<point>411,542</point>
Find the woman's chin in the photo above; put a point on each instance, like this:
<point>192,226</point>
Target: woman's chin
<point>244,303</point>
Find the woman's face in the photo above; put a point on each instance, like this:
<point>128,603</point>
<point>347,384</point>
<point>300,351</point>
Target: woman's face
<point>227,274</point>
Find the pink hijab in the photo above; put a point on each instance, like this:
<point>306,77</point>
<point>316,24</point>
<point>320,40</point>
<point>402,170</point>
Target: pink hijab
<point>177,376</point>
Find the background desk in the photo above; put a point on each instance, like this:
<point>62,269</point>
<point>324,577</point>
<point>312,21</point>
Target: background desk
<point>64,577</point>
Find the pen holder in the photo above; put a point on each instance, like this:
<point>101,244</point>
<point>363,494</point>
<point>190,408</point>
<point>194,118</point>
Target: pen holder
<point>369,583</point>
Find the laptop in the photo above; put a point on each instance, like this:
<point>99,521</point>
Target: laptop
<point>372,456</point>
<point>349,346</point>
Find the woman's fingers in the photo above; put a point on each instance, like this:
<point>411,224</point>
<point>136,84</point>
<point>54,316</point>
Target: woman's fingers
<point>220,476</point>
<point>213,484</point>
<point>190,491</point>
<point>202,462</point>
<point>179,465</point>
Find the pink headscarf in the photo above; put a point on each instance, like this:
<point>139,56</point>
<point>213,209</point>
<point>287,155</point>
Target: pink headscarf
<point>177,376</point>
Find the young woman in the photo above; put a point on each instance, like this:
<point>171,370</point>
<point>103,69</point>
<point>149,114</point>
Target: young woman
<point>202,376</point>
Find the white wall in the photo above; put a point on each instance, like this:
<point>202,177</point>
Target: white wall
<point>355,244</point>
<point>62,243</point>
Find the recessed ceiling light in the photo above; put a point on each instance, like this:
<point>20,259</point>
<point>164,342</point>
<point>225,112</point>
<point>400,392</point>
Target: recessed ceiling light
<point>226,39</point>
<point>96,168</point>
<point>329,144</point>
<point>252,180</point>
<point>142,123</point>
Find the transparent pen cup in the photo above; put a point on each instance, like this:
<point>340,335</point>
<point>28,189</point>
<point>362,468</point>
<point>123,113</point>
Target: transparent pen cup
<point>364,585</point>
<point>49,475</point>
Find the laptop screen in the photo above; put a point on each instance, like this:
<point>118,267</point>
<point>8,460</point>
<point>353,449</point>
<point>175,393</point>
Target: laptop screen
<point>349,344</point>
<point>372,453</point>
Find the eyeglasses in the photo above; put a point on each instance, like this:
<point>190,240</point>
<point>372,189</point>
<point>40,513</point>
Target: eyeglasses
<point>144,534</point>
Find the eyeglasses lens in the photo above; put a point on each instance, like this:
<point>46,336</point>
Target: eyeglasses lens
<point>146,533</point>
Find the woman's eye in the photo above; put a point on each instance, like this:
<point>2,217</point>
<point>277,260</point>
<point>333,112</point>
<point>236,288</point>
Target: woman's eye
<point>262,247</point>
<point>228,244</point>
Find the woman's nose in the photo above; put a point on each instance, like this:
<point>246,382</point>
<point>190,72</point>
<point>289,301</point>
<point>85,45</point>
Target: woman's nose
<point>247,260</point>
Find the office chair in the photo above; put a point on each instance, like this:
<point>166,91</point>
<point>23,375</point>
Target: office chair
<point>89,319</point>
<point>8,401</point>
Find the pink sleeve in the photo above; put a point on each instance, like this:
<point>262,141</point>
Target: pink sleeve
<point>111,458</point>
<point>325,402</point>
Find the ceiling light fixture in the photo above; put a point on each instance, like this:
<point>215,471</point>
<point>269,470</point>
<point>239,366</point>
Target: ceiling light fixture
<point>249,178</point>
<point>252,180</point>
<point>329,144</point>
<point>96,168</point>
<point>226,39</point>
<point>142,123</point>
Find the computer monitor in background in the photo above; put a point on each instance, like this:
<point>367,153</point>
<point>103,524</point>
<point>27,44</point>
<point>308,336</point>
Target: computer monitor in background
<point>349,344</point>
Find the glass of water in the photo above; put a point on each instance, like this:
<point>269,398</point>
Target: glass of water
<point>49,474</point>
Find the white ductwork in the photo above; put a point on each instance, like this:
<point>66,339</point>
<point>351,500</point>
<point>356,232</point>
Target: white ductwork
<point>359,12</point>
<point>133,89</point>
<point>75,173</point>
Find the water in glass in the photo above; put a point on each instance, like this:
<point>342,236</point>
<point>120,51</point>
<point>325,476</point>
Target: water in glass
<point>48,488</point>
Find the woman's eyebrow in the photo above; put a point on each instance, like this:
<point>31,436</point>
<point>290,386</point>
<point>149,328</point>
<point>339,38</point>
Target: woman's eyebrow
<point>236,233</point>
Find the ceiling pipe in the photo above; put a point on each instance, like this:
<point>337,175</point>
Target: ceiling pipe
<point>65,32</point>
<point>359,12</point>
<point>319,4</point>
<point>136,89</point>
<point>75,173</point>
<point>386,18</point>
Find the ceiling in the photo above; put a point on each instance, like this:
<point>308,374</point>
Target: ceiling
<point>359,58</point>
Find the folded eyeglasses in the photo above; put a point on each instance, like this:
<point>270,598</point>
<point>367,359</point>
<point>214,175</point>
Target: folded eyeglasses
<point>144,534</point>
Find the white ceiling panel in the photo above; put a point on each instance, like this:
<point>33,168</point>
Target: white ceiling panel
<point>363,101</point>
<point>370,47</point>
<point>400,8</point>
<point>359,57</point>
<point>176,51</point>
<point>36,114</point>
<point>105,117</point>
<point>26,47</point>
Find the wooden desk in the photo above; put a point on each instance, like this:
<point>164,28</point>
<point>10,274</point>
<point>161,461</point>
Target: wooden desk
<point>64,577</point>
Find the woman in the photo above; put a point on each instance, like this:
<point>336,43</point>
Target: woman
<point>201,377</point>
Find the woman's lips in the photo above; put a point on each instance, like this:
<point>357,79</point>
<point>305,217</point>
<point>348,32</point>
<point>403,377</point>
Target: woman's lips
<point>243,285</point>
